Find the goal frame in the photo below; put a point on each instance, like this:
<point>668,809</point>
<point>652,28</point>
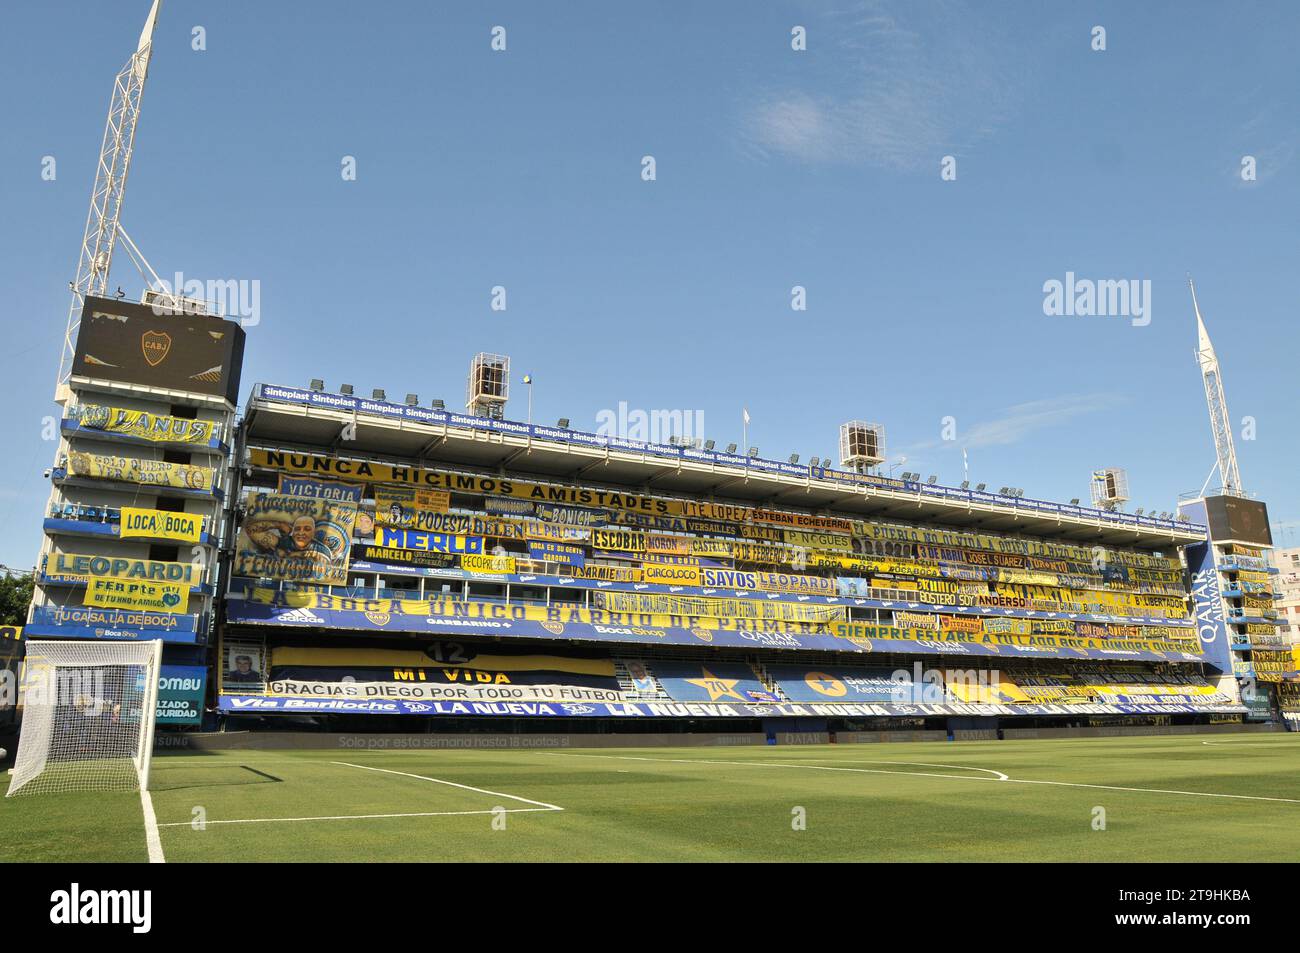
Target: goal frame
<point>142,760</point>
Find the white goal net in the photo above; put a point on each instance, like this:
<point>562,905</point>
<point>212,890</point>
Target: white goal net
<point>87,716</point>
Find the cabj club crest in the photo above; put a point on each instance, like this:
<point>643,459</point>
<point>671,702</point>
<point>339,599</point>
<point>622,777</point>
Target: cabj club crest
<point>155,345</point>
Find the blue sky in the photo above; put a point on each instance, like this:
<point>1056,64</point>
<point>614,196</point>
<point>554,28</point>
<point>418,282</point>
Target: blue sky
<point>775,168</point>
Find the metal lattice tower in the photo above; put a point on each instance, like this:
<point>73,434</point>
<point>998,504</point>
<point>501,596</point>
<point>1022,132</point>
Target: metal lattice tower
<point>106,197</point>
<point>1220,422</point>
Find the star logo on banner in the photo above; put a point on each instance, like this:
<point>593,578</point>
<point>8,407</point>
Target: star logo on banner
<point>825,684</point>
<point>716,687</point>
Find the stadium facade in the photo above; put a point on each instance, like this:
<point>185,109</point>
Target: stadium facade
<point>359,564</point>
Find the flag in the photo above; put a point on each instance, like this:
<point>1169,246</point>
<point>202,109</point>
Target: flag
<point>745,411</point>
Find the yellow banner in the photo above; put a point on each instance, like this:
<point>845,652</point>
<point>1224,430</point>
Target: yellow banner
<point>409,506</point>
<point>818,540</point>
<point>670,575</point>
<point>139,423</point>
<point>144,472</point>
<point>726,512</point>
<point>804,521</point>
<point>669,545</point>
<point>916,620</point>
<point>487,563</point>
<point>111,593</point>
<point>603,573</point>
<point>856,631</point>
<point>621,540</point>
<point>721,608</point>
<point>374,472</point>
<point>70,566</point>
<point>161,524</point>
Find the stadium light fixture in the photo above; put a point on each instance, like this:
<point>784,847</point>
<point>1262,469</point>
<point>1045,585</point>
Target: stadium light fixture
<point>816,461</point>
<point>794,458</point>
<point>965,484</point>
<point>317,384</point>
<point>345,390</point>
<point>379,394</point>
<point>709,445</point>
<point>413,400</point>
<point>1075,501</point>
<point>731,448</point>
<point>1003,491</point>
<point>1138,511</point>
<point>563,422</point>
<point>980,488</point>
<point>438,404</point>
<point>934,478</point>
<point>672,440</point>
<point>753,451</point>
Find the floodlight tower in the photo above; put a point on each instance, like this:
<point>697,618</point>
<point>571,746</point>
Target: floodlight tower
<point>488,387</point>
<point>1110,488</point>
<point>862,445</point>
<point>102,224</point>
<point>1220,422</point>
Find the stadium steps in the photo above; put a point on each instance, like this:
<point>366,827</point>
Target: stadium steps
<point>628,687</point>
<point>768,681</point>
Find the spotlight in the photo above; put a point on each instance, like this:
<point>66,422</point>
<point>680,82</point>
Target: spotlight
<point>563,422</point>
<point>317,384</point>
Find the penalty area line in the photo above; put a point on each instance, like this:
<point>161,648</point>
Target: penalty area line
<point>464,787</point>
<point>1001,779</point>
<point>358,817</point>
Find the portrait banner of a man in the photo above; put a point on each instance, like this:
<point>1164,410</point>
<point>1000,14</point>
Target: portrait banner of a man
<point>295,538</point>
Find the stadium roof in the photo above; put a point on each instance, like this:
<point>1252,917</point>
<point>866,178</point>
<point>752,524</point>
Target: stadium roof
<point>292,418</point>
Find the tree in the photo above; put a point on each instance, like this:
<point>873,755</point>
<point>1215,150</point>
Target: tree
<point>15,597</point>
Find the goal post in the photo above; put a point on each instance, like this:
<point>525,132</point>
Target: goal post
<point>88,716</point>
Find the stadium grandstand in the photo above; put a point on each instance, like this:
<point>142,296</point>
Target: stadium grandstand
<point>391,561</point>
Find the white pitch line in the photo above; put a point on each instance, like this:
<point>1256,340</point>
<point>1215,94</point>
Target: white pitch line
<point>1112,787</point>
<point>926,774</point>
<point>777,764</point>
<point>151,839</point>
<point>927,764</point>
<point>421,777</point>
<point>354,817</point>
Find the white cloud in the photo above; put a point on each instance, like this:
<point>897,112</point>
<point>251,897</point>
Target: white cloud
<point>1020,420</point>
<point>874,90</point>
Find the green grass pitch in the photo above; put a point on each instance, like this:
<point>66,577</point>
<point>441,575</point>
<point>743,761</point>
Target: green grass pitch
<point>1184,798</point>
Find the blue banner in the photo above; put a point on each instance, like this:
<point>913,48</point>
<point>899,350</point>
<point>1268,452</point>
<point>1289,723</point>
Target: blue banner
<point>180,694</point>
<point>1207,606</point>
<point>544,550</point>
<point>88,622</point>
<point>503,620</point>
<point>428,542</point>
<point>259,704</point>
